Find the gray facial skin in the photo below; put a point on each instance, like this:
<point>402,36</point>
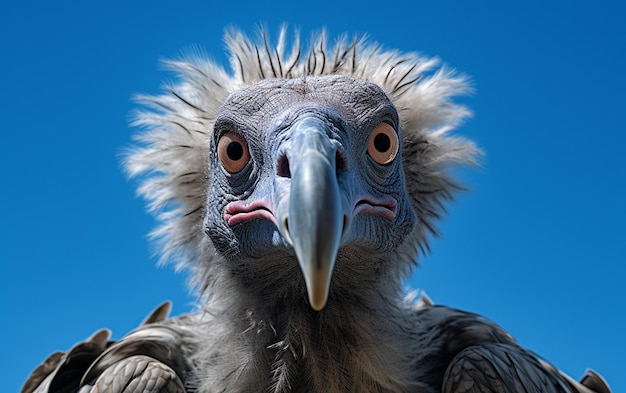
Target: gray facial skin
<point>311,192</point>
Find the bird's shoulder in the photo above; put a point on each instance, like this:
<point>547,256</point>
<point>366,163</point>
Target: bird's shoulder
<point>152,358</point>
<point>470,353</point>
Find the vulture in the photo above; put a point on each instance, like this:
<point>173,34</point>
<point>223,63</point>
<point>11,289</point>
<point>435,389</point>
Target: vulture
<point>298,187</point>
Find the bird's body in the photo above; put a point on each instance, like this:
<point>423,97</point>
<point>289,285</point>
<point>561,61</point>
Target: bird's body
<point>205,353</point>
<point>299,191</point>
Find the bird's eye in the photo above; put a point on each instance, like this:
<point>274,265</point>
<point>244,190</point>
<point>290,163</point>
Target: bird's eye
<point>233,152</point>
<point>383,144</point>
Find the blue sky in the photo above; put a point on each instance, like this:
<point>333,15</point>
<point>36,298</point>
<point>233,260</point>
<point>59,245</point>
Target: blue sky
<point>538,245</point>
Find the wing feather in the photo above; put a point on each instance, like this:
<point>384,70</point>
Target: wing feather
<point>148,360</point>
<point>500,368</point>
<point>138,374</point>
<point>61,372</point>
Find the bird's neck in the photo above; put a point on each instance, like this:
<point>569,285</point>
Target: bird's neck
<point>353,344</point>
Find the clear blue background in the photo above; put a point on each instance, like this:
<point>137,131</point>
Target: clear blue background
<point>538,245</point>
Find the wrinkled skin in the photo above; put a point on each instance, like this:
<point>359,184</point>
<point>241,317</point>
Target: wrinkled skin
<point>370,214</point>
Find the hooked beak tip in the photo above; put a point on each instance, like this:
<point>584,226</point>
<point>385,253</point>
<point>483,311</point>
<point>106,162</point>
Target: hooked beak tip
<point>317,284</point>
<point>318,304</point>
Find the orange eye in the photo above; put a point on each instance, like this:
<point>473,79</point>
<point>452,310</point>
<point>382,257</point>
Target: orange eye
<point>233,152</point>
<point>383,144</point>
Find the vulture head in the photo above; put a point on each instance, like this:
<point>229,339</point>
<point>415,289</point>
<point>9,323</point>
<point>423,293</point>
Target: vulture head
<point>303,170</point>
<point>300,177</point>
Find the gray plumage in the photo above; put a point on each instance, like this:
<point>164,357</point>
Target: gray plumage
<point>299,189</point>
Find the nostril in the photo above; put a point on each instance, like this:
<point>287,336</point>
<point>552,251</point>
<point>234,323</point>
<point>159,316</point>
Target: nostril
<point>346,222</point>
<point>283,167</point>
<point>341,163</point>
<point>285,231</point>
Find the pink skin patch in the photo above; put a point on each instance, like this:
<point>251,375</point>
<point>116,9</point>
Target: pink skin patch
<point>385,207</point>
<point>238,211</point>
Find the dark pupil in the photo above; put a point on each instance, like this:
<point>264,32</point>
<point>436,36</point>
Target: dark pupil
<point>234,151</point>
<point>382,143</point>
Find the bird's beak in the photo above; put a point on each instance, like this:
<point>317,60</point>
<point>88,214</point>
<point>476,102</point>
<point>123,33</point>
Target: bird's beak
<point>314,221</point>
